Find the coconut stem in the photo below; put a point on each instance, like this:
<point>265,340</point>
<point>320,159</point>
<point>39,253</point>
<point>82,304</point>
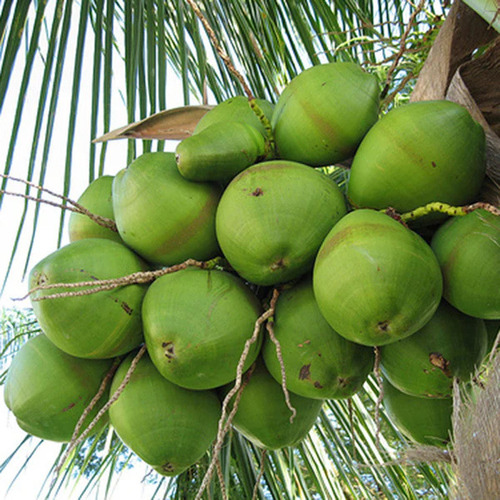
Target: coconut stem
<point>279,354</point>
<point>230,66</point>
<point>220,476</point>
<point>444,208</point>
<point>270,142</point>
<point>109,284</point>
<point>72,206</point>
<point>96,398</point>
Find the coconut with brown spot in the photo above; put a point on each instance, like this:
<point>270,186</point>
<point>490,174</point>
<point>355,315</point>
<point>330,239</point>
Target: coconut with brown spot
<point>318,362</point>
<point>451,344</point>
<point>273,217</point>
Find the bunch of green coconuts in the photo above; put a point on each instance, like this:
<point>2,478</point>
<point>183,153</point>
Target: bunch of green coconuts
<point>351,276</point>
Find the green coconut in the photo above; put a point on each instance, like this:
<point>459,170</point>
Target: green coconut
<point>220,152</point>
<point>47,390</point>
<point>273,217</point>
<point>319,363</point>
<point>236,109</point>
<point>375,281</point>
<point>196,323</point>
<point>263,416</point>
<point>98,325</point>
<point>97,199</point>
<point>468,251</point>
<point>424,420</point>
<point>168,427</point>
<point>162,216</point>
<point>450,345</point>
<point>324,113</point>
<point>416,154</point>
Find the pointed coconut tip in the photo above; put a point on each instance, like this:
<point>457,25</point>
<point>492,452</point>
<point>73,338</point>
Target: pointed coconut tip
<point>170,124</point>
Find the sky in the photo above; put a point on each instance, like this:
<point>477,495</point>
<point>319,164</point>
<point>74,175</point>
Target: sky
<point>46,241</point>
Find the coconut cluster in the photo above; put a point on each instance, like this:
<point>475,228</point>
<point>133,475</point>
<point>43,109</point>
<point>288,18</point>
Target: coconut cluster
<point>351,276</point>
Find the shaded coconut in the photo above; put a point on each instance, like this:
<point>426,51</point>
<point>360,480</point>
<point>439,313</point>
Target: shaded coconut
<point>97,199</point>
<point>273,217</point>
<point>100,325</point>
<point>493,330</point>
<point>196,323</point>
<point>47,390</point>
<point>416,154</point>
<point>375,281</point>
<point>450,345</point>
<point>263,416</point>
<point>424,420</point>
<point>236,109</point>
<point>319,363</point>
<point>324,112</point>
<point>168,427</point>
<point>220,152</point>
<point>162,216</point>
<point>468,251</point>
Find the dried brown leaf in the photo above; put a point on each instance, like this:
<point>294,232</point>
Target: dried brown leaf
<point>176,124</point>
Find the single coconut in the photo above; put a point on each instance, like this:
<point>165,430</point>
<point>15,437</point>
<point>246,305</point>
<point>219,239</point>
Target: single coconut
<point>47,390</point>
<point>168,427</point>
<point>273,217</point>
<point>416,154</point>
<point>97,325</point>
<point>450,345</point>
<point>468,251</point>
<point>374,280</point>
<point>162,216</point>
<point>324,112</point>
<point>196,324</point>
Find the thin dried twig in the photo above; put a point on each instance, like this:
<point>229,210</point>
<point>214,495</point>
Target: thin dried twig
<point>279,354</point>
<point>75,442</point>
<point>139,277</point>
<point>72,206</point>
<point>261,473</point>
<point>220,51</point>
<point>402,48</point>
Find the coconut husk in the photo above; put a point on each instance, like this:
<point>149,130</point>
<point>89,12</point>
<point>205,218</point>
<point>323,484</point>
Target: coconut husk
<point>476,439</point>
<point>453,71</point>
